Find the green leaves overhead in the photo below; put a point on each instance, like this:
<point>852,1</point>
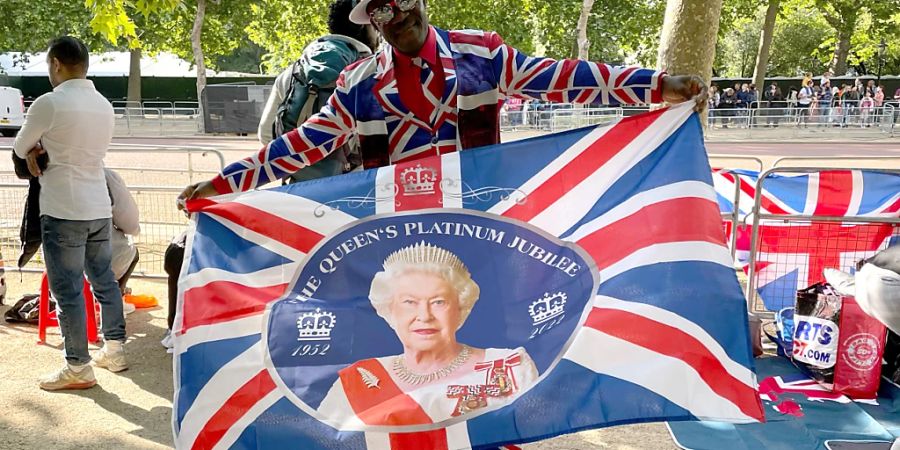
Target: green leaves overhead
<point>810,35</point>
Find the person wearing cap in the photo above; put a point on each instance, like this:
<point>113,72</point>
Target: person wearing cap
<point>429,91</point>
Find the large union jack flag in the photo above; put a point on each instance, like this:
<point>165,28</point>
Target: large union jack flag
<point>663,335</point>
<point>792,256</point>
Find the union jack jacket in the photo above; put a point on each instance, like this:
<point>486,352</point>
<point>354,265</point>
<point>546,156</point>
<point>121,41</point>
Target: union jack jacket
<point>481,71</point>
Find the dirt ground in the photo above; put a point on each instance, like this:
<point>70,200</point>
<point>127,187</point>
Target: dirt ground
<point>132,409</point>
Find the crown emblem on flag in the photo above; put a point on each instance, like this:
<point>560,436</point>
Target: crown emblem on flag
<point>315,325</point>
<point>418,180</point>
<point>547,307</point>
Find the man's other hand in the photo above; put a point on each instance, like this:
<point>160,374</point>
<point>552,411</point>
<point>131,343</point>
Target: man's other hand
<point>203,189</point>
<point>32,160</point>
<point>681,88</point>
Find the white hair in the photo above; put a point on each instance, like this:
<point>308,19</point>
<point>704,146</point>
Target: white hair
<point>453,272</point>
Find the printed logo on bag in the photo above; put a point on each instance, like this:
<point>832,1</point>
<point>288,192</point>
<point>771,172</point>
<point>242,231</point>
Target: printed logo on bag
<point>862,351</point>
<point>815,341</point>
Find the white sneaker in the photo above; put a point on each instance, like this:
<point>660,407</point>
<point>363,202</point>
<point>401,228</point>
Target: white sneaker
<point>167,340</point>
<point>66,378</point>
<point>127,308</point>
<point>111,357</point>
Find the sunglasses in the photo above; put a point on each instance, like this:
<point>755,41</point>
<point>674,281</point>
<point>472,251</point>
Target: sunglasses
<point>385,13</point>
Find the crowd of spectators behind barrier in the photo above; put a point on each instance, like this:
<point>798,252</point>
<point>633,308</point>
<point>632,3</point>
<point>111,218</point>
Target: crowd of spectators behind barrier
<point>815,101</point>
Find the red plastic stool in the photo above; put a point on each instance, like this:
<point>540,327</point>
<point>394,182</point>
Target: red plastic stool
<point>47,318</point>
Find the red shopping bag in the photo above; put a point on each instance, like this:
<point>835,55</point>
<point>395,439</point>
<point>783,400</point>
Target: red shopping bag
<point>838,344</point>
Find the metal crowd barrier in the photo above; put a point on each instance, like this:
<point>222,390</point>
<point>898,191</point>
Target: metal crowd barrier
<point>168,121</point>
<point>734,217</point>
<point>800,236</point>
<point>838,119</point>
<point>895,160</point>
<point>159,218</point>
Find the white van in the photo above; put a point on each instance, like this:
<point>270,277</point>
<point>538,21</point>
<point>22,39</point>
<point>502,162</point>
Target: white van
<point>12,111</point>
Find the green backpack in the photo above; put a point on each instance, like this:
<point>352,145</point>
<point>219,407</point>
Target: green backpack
<point>313,81</point>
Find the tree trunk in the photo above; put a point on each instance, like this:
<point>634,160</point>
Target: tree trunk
<point>765,43</point>
<point>688,41</point>
<point>584,45</point>
<point>196,46</point>
<point>839,61</point>
<point>134,77</point>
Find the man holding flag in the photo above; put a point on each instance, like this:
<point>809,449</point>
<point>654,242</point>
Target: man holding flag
<point>430,92</point>
<point>606,293</point>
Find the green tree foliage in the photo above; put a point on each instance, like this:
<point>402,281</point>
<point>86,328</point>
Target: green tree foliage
<point>736,50</point>
<point>509,18</point>
<point>619,32</point>
<point>28,26</point>
<point>799,33</point>
<point>284,27</point>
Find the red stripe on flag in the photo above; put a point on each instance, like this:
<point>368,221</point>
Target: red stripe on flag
<point>835,193</point>
<point>676,220</point>
<point>434,439</point>
<point>221,301</point>
<point>419,186</point>
<point>267,224</point>
<point>234,408</point>
<point>572,174</point>
<point>893,208</point>
<point>750,189</point>
<point>675,343</point>
<point>824,242</point>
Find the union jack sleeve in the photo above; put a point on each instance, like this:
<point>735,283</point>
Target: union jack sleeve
<point>329,129</point>
<point>571,80</point>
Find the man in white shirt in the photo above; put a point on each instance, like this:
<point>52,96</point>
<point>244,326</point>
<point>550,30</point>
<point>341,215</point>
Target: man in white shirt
<point>73,125</point>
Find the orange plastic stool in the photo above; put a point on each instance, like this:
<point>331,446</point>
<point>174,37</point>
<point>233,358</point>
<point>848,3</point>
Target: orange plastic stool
<point>47,318</point>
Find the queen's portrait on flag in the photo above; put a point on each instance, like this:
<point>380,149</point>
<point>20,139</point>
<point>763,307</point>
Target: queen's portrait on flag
<point>426,293</point>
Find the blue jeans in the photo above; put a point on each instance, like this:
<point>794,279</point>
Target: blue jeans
<point>71,249</point>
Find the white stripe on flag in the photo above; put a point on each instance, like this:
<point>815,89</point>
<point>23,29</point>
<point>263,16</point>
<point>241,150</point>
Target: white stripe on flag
<point>378,440</point>
<point>669,377</point>
<point>220,387</point>
<point>261,240</point>
<point>671,319</point>
<point>881,210</point>
<point>552,168</point>
<point>296,209</point>
<point>698,251</point>
<point>856,193</point>
<point>235,431</point>
<point>452,174</point>
<point>682,189</point>
<point>812,194</point>
<point>458,436</point>
<point>245,326</point>
<point>385,189</point>
<point>572,207</point>
<point>259,279</point>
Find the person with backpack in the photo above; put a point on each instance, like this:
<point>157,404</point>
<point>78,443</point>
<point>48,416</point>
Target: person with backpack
<point>302,89</point>
<point>429,92</point>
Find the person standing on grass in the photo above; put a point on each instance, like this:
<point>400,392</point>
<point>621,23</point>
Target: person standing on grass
<point>73,125</point>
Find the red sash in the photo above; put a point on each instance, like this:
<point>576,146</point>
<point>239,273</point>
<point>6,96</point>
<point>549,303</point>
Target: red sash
<point>386,404</point>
